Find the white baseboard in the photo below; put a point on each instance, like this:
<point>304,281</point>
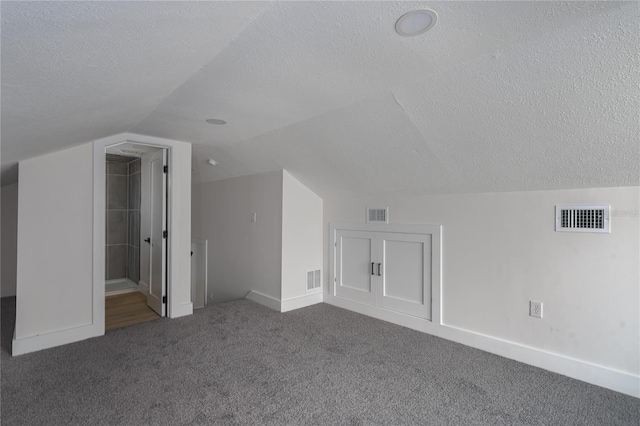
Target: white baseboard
<point>598,375</point>
<point>285,305</point>
<point>143,287</point>
<point>301,302</point>
<point>263,299</point>
<point>183,310</point>
<point>56,338</point>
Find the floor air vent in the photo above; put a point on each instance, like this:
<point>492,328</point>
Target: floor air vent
<point>583,218</point>
<point>378,215</point>
<point>314,279</point>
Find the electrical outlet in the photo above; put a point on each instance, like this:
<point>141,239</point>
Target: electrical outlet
<point>253,216</point>
<point>535,309</point>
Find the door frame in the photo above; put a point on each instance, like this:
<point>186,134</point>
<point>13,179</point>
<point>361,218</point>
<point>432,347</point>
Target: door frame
<point>436,256</point>
<point>178,220</point>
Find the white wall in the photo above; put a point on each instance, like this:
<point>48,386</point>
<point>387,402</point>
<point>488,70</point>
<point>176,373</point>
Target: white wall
<point>9,236</point>
<point>500,251</point>
<point>301,236</point>
<point>243,256</point>
<point>55,228</point>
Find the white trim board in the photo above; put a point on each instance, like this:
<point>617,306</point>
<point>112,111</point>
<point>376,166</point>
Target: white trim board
<point>285,305</point>
<point>301,302</point>
<point>598,375</point>
<point>55,338</point>
<point>263,299</point>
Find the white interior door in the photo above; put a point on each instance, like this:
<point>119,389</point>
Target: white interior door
<point>405,278</point>
<point>156,225</point>
<point>354,268</point>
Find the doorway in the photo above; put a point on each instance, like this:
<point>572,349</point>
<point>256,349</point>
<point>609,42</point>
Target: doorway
<point>122,267</point>
<point>136,225</point>
<point>178,277</point>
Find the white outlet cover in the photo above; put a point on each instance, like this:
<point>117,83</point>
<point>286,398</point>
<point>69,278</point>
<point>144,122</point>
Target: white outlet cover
<point>535,309</point>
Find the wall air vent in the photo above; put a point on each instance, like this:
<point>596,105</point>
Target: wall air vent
<point>583,218</point>
<point>378,215</point>
<point>314,280</point>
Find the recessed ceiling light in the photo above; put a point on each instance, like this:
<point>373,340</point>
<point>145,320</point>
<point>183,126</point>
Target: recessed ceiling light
<point>416,22</point>
<point>216,121</point>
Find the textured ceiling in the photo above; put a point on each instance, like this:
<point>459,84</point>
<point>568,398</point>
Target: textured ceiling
<point>498,96</point>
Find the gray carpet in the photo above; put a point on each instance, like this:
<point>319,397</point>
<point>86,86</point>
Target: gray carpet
<point>241,363</point>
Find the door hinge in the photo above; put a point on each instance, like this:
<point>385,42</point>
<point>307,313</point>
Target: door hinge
<point>164,299</point>
<point>166,169</point>
<point>165,234</point>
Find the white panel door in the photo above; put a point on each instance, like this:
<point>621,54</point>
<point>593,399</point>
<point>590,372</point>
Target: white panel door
<point>355,269</point>
<point>158,221</point>
<point>404,283</point>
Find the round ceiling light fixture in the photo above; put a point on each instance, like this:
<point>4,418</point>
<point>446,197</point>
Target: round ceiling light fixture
<point>416,22</point>
<point>216,121</point>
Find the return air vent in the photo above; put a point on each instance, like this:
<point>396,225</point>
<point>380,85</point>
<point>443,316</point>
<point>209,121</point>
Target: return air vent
<point>583,218</point>
<point>378,215</point>
<point>314,279</point>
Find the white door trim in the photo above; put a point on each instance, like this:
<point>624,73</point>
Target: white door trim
<point>179,300</point>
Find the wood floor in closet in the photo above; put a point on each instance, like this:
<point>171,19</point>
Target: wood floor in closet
<point>122,310</point>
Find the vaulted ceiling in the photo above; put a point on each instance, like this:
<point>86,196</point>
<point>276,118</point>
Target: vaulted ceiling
<point>497,96</point>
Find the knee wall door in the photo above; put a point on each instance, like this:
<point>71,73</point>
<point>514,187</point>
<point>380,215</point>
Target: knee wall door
<point>355,267</point>
<point>385,269</point>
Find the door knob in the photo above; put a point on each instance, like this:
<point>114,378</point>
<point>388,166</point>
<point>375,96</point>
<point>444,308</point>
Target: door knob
<point>379,274</point>
<point>147,240</point>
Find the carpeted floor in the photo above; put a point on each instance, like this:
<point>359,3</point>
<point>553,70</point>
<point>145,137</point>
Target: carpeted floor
<point>241,363</point>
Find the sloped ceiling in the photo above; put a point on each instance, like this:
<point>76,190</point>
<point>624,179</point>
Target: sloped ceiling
<point>498,96</point>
